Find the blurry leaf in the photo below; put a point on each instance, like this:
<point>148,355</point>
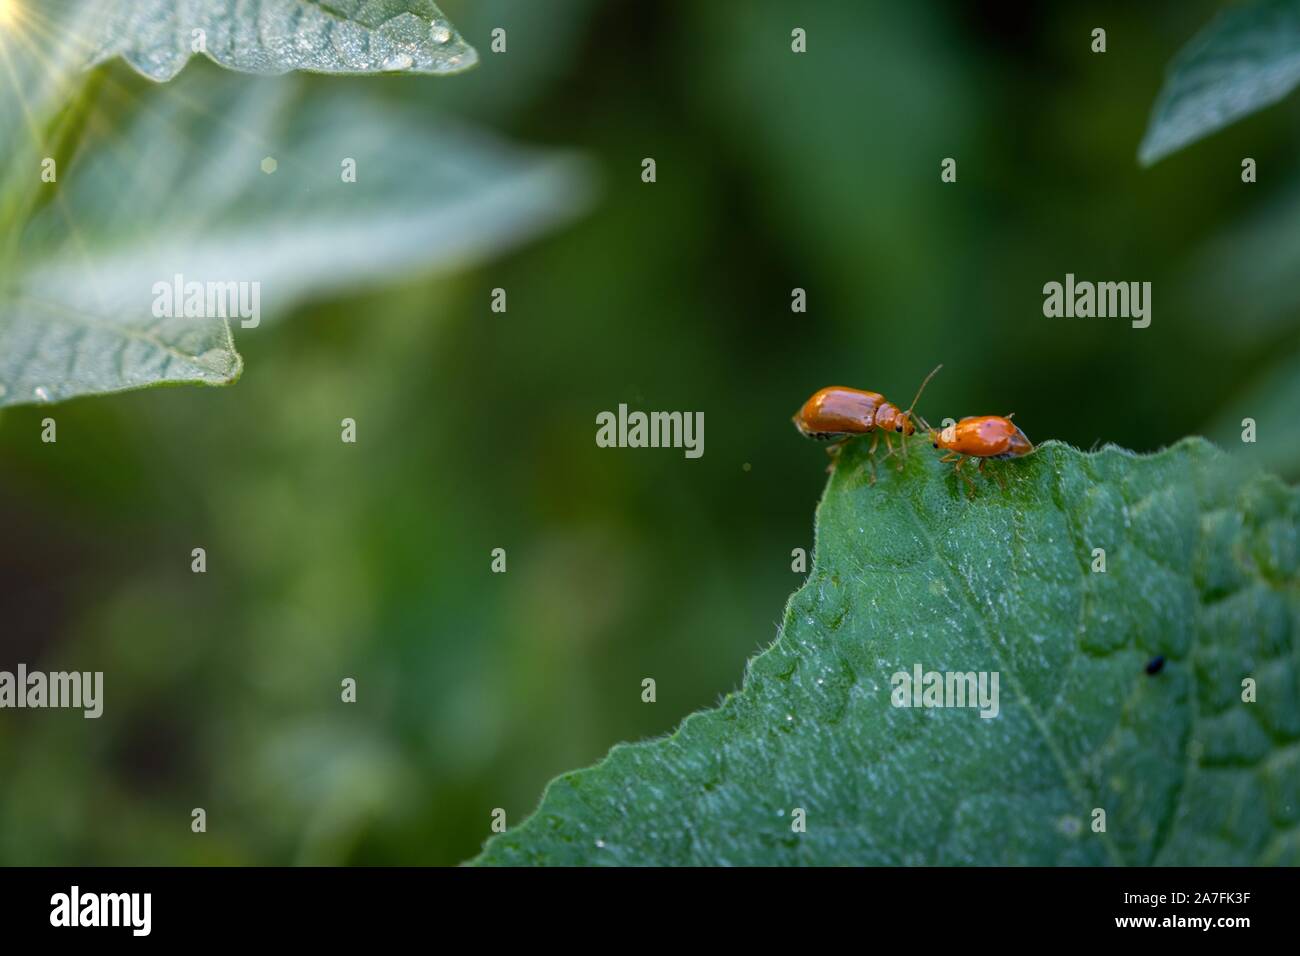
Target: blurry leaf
<point>1246,59</point>
<point>48,348</point>
<point>1261,254</point>
<point>1273,403</point>
<point>44,43</point>
<point>50,352</point>
<point>183,193</point>
<point>158,37</point>
<point>1201,568</point>
<point>38,74</point>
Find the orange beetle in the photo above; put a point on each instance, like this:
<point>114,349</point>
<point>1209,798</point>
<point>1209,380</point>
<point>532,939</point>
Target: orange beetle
<point>982,437</point>
<point>837,413</point>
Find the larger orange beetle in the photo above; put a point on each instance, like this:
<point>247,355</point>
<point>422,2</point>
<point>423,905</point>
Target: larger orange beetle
<point>837,413</point>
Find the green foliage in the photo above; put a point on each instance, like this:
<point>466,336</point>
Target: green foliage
<point>1201,568</point>
<point>158,37</point>
<point>175,187</point>
<point>1247,58</point>
<point>478,688</point>
<point>81,321</point>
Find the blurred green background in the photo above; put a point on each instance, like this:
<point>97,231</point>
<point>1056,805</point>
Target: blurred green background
<point>476,429</point>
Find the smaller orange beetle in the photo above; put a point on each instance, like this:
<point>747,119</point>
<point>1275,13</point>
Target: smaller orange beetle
<point>837,413</point>
<point>982,437</point>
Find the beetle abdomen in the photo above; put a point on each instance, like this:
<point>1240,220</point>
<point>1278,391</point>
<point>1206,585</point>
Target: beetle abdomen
<point>837,411</point>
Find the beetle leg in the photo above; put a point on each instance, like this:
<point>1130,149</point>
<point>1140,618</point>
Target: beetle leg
<point>950,456</point>
<point>889,443</point>
<point>834,452</point>
<point>871,455</point>
<point>964,477</point>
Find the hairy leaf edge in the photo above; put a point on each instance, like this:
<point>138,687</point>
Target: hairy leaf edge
<point>1193,443</point>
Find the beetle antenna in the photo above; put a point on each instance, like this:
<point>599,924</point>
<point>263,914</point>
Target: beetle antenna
<point>908,413</point>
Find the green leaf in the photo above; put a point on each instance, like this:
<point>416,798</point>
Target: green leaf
<point>38,75</point>
<point>1201,567</point>
<point>49,353</point>
<point>182,192</point>
<point>158,37</point>
<point>45,44</point>
<point>1247,58</point>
